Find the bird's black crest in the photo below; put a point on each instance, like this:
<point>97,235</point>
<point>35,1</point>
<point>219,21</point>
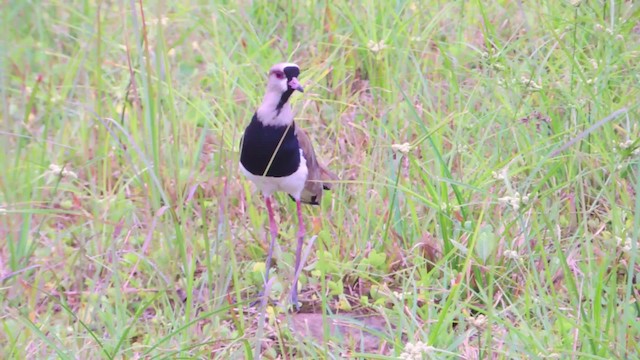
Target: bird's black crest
<point>291,72</point>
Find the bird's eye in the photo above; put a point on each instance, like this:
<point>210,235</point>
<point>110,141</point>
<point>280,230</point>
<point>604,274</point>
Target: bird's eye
<point>279,74</point>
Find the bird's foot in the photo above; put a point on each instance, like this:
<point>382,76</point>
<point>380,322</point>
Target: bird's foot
<point>263,296</point>
<point>257,302</point>
<point>294,299</point>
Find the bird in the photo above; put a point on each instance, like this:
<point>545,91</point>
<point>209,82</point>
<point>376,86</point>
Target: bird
<point>277,156</point>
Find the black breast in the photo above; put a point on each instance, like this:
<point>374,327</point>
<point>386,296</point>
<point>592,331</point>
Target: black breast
<point>260,142</point>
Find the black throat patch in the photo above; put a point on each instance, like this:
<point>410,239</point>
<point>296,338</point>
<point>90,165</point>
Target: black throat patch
<point>290,72</point>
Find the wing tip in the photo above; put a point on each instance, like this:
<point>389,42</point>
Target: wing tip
<point>312,201</point>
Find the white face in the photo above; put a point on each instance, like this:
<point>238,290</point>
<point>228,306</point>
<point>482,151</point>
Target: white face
<point>277,81</point>
<point>283,77</point>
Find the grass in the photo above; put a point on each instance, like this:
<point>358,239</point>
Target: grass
<point>488,156</point>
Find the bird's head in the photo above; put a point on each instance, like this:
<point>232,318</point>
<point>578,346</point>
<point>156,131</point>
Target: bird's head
<point>283,79</point>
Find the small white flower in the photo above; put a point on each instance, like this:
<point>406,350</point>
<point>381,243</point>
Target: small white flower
<point>550,356</point>
<point>514,201</point>
<point>415,351</point>
<point>624,246</point>
<point>497,175</point>
<point>510,200</point>
<point>625,144</point>
<point>479,321</point>
<point>401,295</point>
<point>531,85</point>
<point>163,21</point>
<point>56,99</point>
<point>460,149</point>
<point>64,172</point>
<point>401,148</point>
<point>376,46</point>
<point>55,171</point>
<point>511,254</point>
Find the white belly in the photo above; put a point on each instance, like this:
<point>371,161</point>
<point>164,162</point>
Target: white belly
<point>292,184</point>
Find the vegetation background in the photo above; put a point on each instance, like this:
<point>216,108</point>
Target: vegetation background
<point>487,208</point>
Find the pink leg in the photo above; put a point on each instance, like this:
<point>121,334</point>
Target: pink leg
<point>274,233</point>
<point>301,233</point>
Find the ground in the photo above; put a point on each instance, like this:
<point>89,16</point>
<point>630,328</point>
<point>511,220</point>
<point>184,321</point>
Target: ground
<point>488,157</point>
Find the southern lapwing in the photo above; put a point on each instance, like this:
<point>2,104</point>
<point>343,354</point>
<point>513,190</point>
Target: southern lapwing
<point>276,155</point>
